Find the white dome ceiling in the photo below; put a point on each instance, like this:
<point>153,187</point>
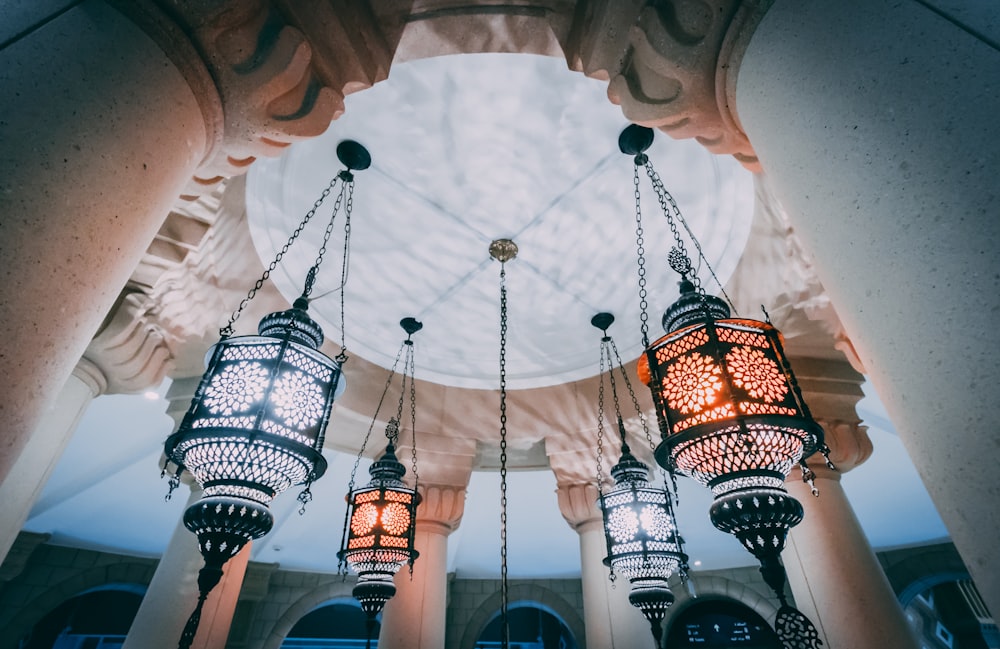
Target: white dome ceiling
<point>468,149</point>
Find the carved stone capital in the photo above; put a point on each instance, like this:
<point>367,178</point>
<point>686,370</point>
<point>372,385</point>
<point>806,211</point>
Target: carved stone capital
<point>130,349</point>
<point>832,390</point>
<point>680,59</point>
<point>266,72</point>
<point>578,505</point>
<point>441,508</point>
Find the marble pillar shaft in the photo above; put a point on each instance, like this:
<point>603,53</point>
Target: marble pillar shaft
<point>834,575</point>
<point>100,131</point>
<point>876,122</point>
<point>416,617</point>
<point>611,622</point>
<point>21,487</point>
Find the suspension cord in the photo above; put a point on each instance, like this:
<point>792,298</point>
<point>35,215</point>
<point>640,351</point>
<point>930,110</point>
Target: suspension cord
<point>673,215</point>
<point>504,622</point>
<point>228,330</point>
<point>641,259</point>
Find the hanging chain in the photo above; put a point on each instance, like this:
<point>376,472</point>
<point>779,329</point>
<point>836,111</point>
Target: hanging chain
<point>227,330</point>
<point>344,265</point>
<point>504,623</point>
<point>409,368</point>
<point>371,426</point>
<point>640,250</point>
<point>600,424</point>
<point>673,215</point>
<point>311,277</point>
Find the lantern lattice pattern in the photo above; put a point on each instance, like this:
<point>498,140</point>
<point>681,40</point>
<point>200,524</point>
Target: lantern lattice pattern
<point>725,397</point>
<point>642,540</point>
<point>731,417</point>
<point>380,533</point>
<point>255,427</point>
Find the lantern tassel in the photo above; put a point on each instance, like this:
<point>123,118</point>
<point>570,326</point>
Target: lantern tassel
<point>792,626</point>
<point>208,577</point>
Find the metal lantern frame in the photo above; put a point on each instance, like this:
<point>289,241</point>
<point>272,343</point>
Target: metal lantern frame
<point>257,422</point>
<point>730,411</point>
<point>640,528</point>
<point>380,521</point>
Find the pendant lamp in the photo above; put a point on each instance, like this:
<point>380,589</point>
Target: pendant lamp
<point>258,419</point>
<point>730,412</point>
<point>380,523</point>
<point>640,529</point>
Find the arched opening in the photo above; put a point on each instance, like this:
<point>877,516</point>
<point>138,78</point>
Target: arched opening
<point>339,624</point>
<point>720,623</point>
<point>96,619</point>
<point>532,626</point>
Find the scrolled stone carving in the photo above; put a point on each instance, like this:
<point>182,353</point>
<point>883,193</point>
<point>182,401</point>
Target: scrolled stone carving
<point>678,63</point>
<point>441,507</point>
<point>578,504</point>
<point>130,350</point>
<point>266,73</point>
<point>849,444</point>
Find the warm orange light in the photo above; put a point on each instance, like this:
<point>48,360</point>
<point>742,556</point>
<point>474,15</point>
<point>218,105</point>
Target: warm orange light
<point>395,518</point>
<point>364,519</point>
<point>725,401</point>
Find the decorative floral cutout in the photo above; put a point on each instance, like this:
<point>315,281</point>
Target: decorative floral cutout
<point>395,519</point>
<point>298,399</point>
<point>623,524</point>
<point>236,388</point>
<point>753,371</point>
<point>692,383</point>
<point>656,522</point>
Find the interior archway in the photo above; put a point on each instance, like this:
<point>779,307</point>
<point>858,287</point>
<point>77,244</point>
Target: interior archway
<point>532,626</point>
<point>339,624</point>
<point>99,617</point>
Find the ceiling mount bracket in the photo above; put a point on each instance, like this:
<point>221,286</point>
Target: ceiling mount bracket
<point>503,250</point>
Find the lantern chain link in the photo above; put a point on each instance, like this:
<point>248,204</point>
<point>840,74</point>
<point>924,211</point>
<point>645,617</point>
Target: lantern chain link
<point>344,265</point>
<point>641,260</point>
<point>228,330</point>
<point>311,277</point>
<point>673,215</point>
<point>504,623</point>
<point>413,418</point>
<point>600,425</point>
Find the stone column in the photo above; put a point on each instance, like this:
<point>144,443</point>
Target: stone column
<point>100,132</point>
<point>610,621</point>
<point>415,618</point>
<point>173,591</point>
<point>21,487</point>
<point>875,122</point>
<point>127,355</point>
<point>833,572</point>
